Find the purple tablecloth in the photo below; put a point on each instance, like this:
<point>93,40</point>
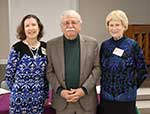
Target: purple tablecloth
<point>4,105</point>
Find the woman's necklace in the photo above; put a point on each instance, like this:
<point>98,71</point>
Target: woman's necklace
<point>33,50</point>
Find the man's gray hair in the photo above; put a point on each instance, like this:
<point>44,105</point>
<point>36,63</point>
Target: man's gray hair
<point>71,13</point>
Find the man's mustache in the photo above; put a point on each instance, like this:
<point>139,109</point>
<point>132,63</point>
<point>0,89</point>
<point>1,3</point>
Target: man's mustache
<point>70,29</point>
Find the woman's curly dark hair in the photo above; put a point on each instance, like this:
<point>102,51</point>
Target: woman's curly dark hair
<point>20,29</point>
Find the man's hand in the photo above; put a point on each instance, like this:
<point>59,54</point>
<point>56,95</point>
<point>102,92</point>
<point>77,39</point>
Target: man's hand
<point>77,94</point>
<point>72,95</point>
<point>66,94</point>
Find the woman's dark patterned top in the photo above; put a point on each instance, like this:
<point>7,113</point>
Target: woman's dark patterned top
<point>121,75</point>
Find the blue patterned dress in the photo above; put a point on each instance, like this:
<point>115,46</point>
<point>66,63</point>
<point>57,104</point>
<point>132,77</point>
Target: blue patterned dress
<point>121,75</point>
<point>26,78</point>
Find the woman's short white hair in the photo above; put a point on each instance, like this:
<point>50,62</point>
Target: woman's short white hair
<point>71,13</point>
<point>117,15</point>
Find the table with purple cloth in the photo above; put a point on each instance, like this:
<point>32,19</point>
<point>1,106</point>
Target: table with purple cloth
<point>4,105</point>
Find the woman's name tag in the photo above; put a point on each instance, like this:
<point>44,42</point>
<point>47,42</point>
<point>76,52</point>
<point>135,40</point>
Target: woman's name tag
<point>43,50</point>
<point>118,52</point>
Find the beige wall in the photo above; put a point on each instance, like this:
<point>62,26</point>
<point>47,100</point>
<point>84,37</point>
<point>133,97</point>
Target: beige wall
<point>12,11</point>
<point>94,12</point>
<point>4,29</point>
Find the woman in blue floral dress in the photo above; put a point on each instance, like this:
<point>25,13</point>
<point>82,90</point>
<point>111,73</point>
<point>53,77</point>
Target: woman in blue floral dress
<point>26,69</point>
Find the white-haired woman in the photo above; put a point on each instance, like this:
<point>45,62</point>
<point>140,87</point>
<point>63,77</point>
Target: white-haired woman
<point>123,68</point>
